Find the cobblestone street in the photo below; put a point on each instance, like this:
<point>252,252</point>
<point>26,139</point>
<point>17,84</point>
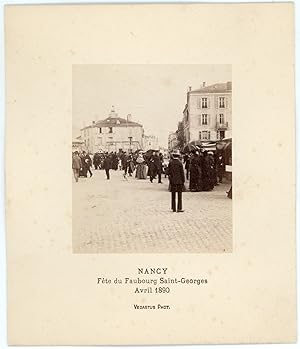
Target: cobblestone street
<point>134,216</point>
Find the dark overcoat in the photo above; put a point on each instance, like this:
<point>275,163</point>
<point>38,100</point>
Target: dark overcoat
<point>176,175</point>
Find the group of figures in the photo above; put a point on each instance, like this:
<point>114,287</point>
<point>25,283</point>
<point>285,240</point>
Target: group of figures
<point>145,165</point>
<point>81,164</point>
<point>99,159</point>
<point>204,170</point>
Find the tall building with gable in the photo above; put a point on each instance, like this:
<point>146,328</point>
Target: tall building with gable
<point>208,113</point>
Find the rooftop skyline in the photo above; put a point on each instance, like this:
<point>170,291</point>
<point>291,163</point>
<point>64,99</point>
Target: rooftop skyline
<point>154,95</point>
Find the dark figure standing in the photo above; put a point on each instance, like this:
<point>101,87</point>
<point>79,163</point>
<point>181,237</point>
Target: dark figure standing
<point>176,177</point>
<point>88,162</point>
<point>206,172</point>
<point>152,167</point>
<point>220,167</point>
<point>195,172</point>
<point>96,161</point>
<point>130,165</point>
<point>187,165</point>
<point>115,161</point>
<point>107,163</point>
<point>124,159</point>
<point>156,167</point>
<point>85,167</point>
<point>76,165</point>
<point>212,170</point>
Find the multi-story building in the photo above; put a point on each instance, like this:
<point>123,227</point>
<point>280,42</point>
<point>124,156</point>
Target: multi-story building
<point>113,134</point>
<point>172,141</point>
<point>78,144</point>
<point>208,113</point>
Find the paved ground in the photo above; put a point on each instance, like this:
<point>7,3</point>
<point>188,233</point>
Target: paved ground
<point>134,216</point>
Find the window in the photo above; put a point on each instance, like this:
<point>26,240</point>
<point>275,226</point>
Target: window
<point>221,102</point>
<point>204,102</point>
<point>205,135</point>
<point>110,130</point>
<point>204,119</point>
<point>199,134</point>
<point>221,134</point>
<point>100,129</point>
<point>221,119</point>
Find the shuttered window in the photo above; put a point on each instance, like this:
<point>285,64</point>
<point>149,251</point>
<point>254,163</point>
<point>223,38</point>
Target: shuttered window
<point>221,102</point>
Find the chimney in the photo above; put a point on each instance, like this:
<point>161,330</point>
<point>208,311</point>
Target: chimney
<point>129,117</point>
<point>229,85</point>
<point>94,122</point>
<point>190,88</point>
<point>203,84</point>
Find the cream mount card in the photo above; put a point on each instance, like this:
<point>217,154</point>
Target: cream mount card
<point>150,93</point>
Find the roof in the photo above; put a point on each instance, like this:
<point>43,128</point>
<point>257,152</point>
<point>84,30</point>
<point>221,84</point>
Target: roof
<point>116,122</point>
<point>77,141</point>
<point>113,122</point>
<point>215,88</point>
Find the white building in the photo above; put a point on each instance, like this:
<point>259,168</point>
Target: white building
<point>113,134</point>
<point>78,144</point>
<point>208,113</point>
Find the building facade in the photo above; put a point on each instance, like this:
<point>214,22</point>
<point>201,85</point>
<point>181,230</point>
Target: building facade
<point>150,142</point>
<point>208,113</point>
<point>113,134</point>
<point>172,141</point>
<point>78,144</point>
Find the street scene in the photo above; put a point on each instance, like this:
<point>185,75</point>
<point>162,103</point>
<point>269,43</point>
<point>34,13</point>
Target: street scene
<point>152,183</point>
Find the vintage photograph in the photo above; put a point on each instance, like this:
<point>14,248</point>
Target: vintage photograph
<point>179,122</point>
<point>152,158</point>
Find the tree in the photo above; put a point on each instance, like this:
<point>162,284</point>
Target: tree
<point>180,136</point>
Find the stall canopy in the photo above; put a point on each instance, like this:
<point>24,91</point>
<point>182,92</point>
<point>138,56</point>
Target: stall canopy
<point>224,144</point>
<point>198,145</point>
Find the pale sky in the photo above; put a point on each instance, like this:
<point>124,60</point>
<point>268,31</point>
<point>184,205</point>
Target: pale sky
<point>155,95</point>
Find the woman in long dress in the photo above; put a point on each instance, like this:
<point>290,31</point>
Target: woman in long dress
<point>141,168</point>
<point>195,172</point>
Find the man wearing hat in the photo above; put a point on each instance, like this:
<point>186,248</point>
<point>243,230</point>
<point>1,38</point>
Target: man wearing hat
<point>76,165</point>
<point>176,178</point>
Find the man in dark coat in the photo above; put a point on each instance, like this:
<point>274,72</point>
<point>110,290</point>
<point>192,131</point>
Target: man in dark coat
<point>187,165</point>
<point>176,178</point>
<point>206,172</point>
<point>124,159</point>
<point>107,164</point>
<point>195,172</point>
<point>85,167</point>
<point>96,160</point>
<point>88,164</point>
<point>220,166</point>
<point>155,167</point>
<point>76,165</point>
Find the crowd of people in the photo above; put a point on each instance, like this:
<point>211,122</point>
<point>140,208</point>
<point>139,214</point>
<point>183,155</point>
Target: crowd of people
<point>81,165</point>
<point>149,164</point>
<point>203,170</point>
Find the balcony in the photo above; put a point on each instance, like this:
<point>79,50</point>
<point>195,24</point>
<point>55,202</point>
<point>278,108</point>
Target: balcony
<point>222,126</point>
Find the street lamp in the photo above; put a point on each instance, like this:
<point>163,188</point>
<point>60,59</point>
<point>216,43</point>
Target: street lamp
<point>130,139</point>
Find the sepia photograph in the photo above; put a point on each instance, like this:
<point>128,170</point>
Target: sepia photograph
<point>179,123</point>
<point>152,158</point>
